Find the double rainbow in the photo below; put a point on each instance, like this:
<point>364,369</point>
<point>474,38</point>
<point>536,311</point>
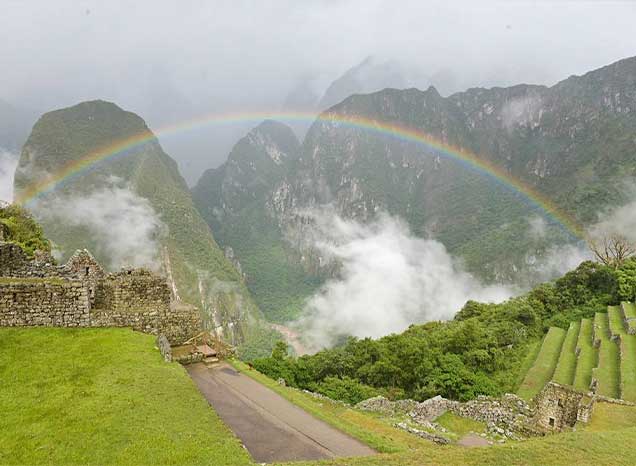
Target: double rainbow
<point>471,160</point>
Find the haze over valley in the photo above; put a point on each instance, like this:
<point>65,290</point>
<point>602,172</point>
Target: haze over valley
<point>278,217</point>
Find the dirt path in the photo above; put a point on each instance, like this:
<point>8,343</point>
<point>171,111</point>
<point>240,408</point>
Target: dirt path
<point>292,337</point>
<point>270,427</point>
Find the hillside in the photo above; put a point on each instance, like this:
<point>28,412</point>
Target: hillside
<point>233,201</point>
<point>593,352</point>
<point>103,396</point>
<point>168,230</point>
<point>572,142</point>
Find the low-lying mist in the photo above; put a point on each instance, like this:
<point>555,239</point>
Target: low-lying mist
<point>124,226</point>
<point>8,164</point>
<point>388,279</point>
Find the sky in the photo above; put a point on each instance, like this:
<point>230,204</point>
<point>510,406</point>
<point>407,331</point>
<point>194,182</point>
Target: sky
<point>173,60</point>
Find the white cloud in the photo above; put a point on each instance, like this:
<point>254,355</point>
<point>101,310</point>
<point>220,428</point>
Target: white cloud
<point>538,227</point>
<point>388,279</point>
<point>124,225</point>
<point>8,164</point>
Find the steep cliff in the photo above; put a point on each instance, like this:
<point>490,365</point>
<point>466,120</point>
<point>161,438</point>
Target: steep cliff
<point>61,139</point>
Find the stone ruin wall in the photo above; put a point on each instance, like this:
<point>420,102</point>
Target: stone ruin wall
<point>46,303</point>
<point>80,294</point>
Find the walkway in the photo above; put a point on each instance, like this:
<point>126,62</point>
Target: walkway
<point>270,427</point>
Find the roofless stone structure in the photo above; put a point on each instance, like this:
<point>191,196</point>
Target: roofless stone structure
<point>36,292</point>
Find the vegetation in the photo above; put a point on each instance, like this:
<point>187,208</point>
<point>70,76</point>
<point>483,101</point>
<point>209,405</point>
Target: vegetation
<point>566,367</point>
<point>610,430</point>
<point>543,368</point>
<point>19,227</point>
<point>203,275</point>
<point>588,357</point>
<point>484,350</point>
<point>103,396</point>
<point>608,371</point>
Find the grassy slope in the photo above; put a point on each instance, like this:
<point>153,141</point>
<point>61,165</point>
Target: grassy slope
<point>99,396</point>
<point>608,371</point>
<point>588,357</point>
<point>566,367</point>
<point>628,354</point>
<point>591,445</point>
<point>630,313</point>
<point>543,368</point>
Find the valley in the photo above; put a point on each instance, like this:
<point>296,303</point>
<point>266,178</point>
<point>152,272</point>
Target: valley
<point>336,232</point>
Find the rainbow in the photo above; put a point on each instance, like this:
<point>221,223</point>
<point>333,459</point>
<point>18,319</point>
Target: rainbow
<point>469,159</point>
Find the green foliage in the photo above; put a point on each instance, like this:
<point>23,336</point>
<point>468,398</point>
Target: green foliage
<point>345,389</point>
<point>19,227</point>
<point>482,351</point>
<point>626,280</point>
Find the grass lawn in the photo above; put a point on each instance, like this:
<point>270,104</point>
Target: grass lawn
<point>629,309</point>
<point>102,396</point>
<point>588,357</point>
<point>543,368</point>
<point>628,367</point>
<point>458,425</point>
<point>608,416</point>
<point>566,367</point>
<point>608,371</point>
<point>615,321</point>
<point>628,354</point>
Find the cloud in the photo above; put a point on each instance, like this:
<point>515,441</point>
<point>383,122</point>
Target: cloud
<point>388,279</point>
<point>621,221</point>
<point>124,226</point>
<point>8,164</point>
<point>538,227</point>
<point>195,69</point>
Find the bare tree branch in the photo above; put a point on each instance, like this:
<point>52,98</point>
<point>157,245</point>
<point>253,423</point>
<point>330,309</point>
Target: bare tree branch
<point>612,250</point>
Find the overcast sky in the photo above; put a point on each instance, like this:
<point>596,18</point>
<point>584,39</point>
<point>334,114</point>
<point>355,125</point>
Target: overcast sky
<point>171,59</point>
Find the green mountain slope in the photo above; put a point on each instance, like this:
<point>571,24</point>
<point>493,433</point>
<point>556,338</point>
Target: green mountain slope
<point>573,142</point>
<point>201,273</point>
<point>233,199</point>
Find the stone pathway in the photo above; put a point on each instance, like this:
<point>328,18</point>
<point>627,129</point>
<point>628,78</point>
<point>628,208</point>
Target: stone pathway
<point>270,427</point>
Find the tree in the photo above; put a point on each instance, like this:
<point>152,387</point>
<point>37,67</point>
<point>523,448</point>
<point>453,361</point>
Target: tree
<point>612,250</point>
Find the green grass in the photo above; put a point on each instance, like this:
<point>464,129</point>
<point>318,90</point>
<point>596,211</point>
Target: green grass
<point>630,315</point>
<point>589,445</point>
<point>531,356</point>
<point>608,371</point>
<point>566,367</point>
<point>609,416</point>
<point>103,396</point>
<point>543,368</point>
<point>458,425</point>
<point>615,317</point>
<point>628,367</point>
<point>588,357</point>
<point>629,309</point>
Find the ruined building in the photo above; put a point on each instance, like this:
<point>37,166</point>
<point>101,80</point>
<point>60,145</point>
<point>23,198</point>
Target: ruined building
<point>36,292</point>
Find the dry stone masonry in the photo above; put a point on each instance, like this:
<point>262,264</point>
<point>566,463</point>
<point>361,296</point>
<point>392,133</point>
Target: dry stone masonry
<point>36,292</point>
<point>555,408</point>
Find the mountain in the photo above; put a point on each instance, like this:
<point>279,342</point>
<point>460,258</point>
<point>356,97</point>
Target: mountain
<point>233,198</point>
<point>189,254</point>
<point>368,76</point>
<point>572,142</point>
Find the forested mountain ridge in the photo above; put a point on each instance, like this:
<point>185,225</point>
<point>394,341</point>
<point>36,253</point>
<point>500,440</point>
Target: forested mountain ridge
<point>233,199</point>
<point>573,142</point>
<point>153,190</point>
